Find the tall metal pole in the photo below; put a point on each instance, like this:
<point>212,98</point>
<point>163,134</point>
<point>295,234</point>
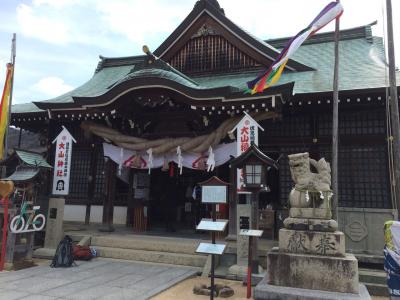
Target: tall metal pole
<point>214,218</point>
<point>254,225</point>
<point>394,105</point>
<point>335,125</point>
<point>13,55</point>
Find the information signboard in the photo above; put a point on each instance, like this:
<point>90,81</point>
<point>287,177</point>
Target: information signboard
<point>213,194</point>
<point>210,225</point>
<point>251,232</point>
<point>208,248</point>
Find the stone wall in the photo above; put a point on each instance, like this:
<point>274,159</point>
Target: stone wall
<point>363,228</point>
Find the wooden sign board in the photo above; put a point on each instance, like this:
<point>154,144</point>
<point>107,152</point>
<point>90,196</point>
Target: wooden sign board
<point>251,232</point>
<point>208,248</point>
<point>213,194</point>
<point>210,225</point>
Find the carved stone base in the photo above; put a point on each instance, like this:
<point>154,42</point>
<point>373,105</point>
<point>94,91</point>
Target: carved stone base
<point>310,213</point>
<point>310,224</point>
<point>316,272</point>
<point>312,242</point>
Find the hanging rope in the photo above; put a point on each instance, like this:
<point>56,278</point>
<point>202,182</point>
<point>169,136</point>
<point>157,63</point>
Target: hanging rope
<point>198,144</point>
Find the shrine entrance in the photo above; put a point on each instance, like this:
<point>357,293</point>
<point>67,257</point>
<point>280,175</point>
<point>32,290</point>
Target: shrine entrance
<point>172,202</point>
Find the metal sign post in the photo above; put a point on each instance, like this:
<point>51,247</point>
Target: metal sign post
<point>214,191</point>
<point>251,234</point>
<point>6,188</point>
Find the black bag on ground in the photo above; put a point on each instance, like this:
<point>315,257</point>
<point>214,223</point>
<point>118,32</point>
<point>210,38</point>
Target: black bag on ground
<point>64,256</point>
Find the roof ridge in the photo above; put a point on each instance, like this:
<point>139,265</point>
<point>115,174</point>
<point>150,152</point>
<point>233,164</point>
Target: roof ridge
<point>117,61</point>
<point>363,31</point>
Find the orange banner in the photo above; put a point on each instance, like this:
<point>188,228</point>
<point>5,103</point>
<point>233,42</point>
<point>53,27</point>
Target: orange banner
<point>5,100</point>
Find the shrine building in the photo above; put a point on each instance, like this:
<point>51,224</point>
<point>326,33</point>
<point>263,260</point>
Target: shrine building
<point>132,115</point>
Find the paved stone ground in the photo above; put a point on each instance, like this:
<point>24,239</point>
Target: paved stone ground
<point>96,279</point>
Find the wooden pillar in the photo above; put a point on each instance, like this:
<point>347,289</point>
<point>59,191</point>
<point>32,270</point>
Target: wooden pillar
<point>108,202</point>
<point>92,182</point>
<point>232,232</point>
<point>130,204</point>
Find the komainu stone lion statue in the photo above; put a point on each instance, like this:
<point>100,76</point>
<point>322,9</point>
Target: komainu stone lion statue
<point>310,198</point>
<point>305,179</point>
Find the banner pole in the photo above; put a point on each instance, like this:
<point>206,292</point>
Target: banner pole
<point>4,238</point>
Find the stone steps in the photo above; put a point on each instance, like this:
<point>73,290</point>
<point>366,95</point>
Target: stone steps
<point>185,246</point>
<point>192,260</point>
<point>375,281</point>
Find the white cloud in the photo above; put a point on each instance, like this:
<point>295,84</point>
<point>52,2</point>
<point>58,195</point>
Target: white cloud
<point>2,74</point>
<point>54,3</point>
<point>51,86</point>
<point>38,24</point>
<point>138,20</point>
<point>279,18</point>
<point>98,22</point>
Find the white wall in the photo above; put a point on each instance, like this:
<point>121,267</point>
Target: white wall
<point>96,213</point>
<point>76,213</point>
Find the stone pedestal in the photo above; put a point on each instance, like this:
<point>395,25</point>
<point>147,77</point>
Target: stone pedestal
<point>266,291</point>
<point>317,272</point>
<point>311,262</point>
<point>312,242</point>
<point>54,228</point>
<point>239,270</point>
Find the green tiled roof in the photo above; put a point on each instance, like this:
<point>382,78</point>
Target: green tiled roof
<point>97,85</point>
<point>22,174</point>
<point>32,159</point>
<point>25,108</point>
<point>160,73</point>
<point>362,66</point>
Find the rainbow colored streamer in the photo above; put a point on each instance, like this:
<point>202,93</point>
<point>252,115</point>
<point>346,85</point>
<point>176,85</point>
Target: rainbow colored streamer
<point>271,76</point>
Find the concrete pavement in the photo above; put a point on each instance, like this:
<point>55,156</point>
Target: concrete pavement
<point>96,279</point>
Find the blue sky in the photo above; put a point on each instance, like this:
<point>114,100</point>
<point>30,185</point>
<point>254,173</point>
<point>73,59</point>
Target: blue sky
<point>59,41</point>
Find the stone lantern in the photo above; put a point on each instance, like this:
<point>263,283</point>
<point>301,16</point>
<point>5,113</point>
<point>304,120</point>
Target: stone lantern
<point>254,164</point>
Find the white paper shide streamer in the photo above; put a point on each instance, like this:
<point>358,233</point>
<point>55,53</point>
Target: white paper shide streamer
<point>180,159</point>
<point>150,153</point>
<point>210,160</point>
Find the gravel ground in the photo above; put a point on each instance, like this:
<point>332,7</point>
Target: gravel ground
<point>183,290</point>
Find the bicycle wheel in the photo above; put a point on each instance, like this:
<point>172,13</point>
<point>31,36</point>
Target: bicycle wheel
<point>38,222</point>
<point>17,224</point>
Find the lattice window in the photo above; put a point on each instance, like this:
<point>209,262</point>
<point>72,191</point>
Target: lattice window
<point>355,123</point>
<point>100,179</point>
<point>363,176</point>
<point>80,171</point>
<point>325,124</point>
<point>289,126</point>
<point>208,51</point>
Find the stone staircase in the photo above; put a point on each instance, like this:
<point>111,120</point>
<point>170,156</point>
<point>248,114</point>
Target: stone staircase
<point>375,281</point>
<point>167,250</point>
